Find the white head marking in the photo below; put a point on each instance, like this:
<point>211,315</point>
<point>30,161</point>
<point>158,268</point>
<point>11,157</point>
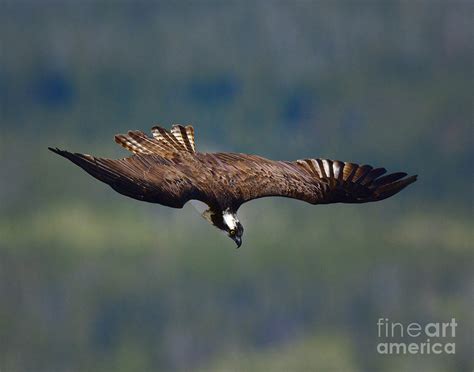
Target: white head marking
<point>230,220</point>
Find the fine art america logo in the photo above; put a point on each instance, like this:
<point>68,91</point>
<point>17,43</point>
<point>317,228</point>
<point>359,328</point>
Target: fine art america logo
<point>416,338</point>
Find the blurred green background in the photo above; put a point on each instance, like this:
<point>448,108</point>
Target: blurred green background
<point>93,281</point>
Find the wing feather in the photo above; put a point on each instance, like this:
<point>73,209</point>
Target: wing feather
<point>316,181</point>
<point>352,183</point>
<point>148,178</point>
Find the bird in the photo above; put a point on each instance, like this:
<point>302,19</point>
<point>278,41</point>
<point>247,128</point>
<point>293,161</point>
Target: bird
<point>166,169</point>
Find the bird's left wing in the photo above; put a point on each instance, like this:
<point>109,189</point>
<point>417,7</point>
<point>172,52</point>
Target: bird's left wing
<point>316,181</point>
<point>343,182</point>
<point>147,177</point>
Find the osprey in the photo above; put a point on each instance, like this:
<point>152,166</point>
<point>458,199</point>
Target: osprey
<point>166,169</point>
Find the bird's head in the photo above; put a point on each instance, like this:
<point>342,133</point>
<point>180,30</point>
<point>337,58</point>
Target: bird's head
<point>233,227</point>
<point>228,222</point>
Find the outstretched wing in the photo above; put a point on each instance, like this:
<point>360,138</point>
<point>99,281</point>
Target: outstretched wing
<point>153,173</point>
<point>316,181</point>
<point>343,182</point>
<point>148,178</point>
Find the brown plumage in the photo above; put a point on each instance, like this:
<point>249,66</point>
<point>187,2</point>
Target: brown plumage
<point>167,170</point>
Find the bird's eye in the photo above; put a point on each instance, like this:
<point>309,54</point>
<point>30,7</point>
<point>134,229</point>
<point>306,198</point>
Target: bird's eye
<point>232,232</point>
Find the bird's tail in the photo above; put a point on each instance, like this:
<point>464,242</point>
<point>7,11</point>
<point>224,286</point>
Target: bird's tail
<point>164,142</point>
<point>352,183</point>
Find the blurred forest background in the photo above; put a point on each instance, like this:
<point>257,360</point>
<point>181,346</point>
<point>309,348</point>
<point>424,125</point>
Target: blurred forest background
<point>93,281</point>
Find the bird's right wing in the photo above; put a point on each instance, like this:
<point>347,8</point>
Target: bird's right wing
<point>150,178</point>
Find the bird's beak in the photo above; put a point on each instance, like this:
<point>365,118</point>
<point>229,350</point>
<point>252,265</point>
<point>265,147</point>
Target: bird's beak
<point>238,241</point>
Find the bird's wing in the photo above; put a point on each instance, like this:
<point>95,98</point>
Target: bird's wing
<point>344,182</point>
<point>153,173</point>
<point>316,181</point>
<point>146,177</point>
